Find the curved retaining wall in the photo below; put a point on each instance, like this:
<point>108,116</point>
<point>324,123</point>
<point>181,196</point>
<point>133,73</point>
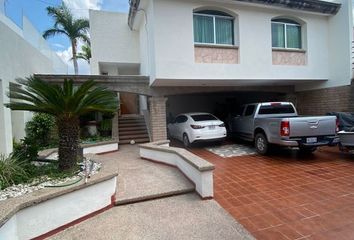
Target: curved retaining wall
<point>51,210</point>
<point>196,169</point>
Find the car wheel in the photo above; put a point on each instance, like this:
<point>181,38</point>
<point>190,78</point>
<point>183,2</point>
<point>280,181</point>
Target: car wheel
<point>186,142</point>
<point>261,144</point>
<point>307,150</point>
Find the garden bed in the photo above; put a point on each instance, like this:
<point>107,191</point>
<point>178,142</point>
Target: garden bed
<point>85,148</point>
<point>46,211</point>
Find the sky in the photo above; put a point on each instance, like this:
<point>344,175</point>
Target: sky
<point>35,11</point>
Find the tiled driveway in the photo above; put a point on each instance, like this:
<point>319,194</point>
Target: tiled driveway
<point>286,196</point>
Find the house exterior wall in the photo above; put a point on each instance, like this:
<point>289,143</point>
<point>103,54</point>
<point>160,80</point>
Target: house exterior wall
<point>23,53</point>
<point>111,39</point>
<point>174,45</point>
<point>322,101</point>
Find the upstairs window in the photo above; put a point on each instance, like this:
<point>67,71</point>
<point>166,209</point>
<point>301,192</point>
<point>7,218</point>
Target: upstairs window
<point>213,27</point>
<point>286,34</point>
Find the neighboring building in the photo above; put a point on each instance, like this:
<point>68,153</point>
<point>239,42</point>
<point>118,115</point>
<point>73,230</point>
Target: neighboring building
<point>213,56</point>
<point>23,52</point>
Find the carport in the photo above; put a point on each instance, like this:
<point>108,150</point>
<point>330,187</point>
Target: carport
<point>220,104</point>
<point>165,102</point>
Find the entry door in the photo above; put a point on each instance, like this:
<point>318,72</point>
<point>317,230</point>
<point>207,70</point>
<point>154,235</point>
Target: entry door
<point>129,103</point>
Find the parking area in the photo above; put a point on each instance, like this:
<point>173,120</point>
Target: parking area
<point>287,195</point>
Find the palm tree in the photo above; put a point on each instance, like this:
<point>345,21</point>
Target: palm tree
<point>85,53</point>
<point>66,103</point>
<point>65,23</point>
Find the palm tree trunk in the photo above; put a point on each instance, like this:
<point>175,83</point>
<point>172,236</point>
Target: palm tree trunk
<point>73,47</point>
<point>68,130</point>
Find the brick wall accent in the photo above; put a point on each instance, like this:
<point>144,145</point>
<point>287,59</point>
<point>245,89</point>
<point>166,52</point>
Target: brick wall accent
<point>288,58</point>
<point>216,55</point>
<point>321,101</point>
<point>115,132</point>
<point>157,107</point>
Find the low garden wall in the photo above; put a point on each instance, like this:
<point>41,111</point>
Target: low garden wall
<point>196,169</point>
<point>47,211</point>
<point>87,148</point>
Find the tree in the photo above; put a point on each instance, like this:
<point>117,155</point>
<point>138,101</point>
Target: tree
<point>85,53</point>
<point>66,103</point>
<point>65,23</point>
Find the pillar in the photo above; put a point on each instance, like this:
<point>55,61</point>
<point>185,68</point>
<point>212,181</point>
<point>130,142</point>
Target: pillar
<point>5,121</point>
<point>115,130</point>
<point>157,107</point>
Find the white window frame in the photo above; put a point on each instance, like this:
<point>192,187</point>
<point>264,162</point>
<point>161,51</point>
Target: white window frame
<point>214,29</point>
<point>285,34</point>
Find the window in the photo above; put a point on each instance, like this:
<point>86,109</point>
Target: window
<point>250,110</point>
<point>213,27</point>
<point>203,117</point>
<point>286,34</point>
<point>276,109</point>
<point>181,119</point>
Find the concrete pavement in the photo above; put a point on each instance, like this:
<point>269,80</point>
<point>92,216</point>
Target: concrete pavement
<point>179,217</point>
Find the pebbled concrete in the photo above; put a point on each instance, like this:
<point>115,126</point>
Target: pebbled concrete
<point>179,217</point>
<point>140,179</point>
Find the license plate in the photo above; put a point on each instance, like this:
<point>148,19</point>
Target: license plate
<point>311,140</point>
<point>211,127</point>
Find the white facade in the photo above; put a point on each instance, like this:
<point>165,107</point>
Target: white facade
<point>162,36</point>
<point>23,53</point>
<point>115,49</point>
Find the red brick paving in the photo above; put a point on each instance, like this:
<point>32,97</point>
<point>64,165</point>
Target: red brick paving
<point>286,196</point>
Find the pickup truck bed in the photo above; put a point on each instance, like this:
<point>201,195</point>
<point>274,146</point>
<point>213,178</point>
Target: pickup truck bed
<point>279,124</point>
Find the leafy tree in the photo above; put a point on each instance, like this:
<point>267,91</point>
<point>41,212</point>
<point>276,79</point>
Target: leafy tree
<point>85,53</point>
<point>66,103</point>
<point>65,23</point>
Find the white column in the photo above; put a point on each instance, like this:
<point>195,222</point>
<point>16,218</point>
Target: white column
<point>5,121</point>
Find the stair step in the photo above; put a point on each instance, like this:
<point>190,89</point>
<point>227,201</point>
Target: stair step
<point>140,140</point>
<point>132,132</point>
<point>133,128</point>
<point>136,136</point>
<point>130,118</point>
<point>131,124</point>
<point>132,121</point>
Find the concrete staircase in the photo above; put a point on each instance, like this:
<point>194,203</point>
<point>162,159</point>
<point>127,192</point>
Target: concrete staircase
<point>132,127</point>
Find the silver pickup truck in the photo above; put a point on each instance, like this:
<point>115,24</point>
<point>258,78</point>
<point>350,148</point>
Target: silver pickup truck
<point>278,123</point>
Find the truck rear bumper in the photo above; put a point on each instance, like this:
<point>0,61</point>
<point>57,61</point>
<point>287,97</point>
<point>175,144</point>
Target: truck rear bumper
<point>297,142</point>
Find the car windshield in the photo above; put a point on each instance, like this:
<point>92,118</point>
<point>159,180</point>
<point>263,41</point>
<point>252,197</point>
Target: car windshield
<point>203,117</point>
<point>276,109</point>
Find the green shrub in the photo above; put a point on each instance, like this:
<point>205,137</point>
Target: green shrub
<point>26,150</point>
<point>12,171</point>
<point>41,129</point>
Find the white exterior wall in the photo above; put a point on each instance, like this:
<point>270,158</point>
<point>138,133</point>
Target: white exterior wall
<point>328,55</point>
<point>111,40</point>
<point>22,53</point>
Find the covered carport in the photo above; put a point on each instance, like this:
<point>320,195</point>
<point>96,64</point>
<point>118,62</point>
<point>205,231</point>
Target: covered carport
<point>220,104</point>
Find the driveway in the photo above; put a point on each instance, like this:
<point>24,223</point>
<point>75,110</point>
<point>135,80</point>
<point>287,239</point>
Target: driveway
<point>287,196</point>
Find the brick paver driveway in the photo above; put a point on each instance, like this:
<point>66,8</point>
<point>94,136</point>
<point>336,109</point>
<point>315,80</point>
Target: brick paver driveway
<point>285,196</point>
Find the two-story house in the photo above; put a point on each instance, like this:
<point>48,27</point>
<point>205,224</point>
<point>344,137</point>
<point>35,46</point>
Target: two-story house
<point>208,55</point>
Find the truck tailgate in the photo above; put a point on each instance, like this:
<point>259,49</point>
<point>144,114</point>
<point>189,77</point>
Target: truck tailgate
<point>312,126</point>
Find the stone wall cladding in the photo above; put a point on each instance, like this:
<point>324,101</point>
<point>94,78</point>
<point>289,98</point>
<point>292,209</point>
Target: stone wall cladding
<point>216,55</point>
<point>322,101</point>
<point>158,128</point>
<point>288,58</point>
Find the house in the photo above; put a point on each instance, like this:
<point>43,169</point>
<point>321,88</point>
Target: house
<point>23,52</point>
<point>213,56</point>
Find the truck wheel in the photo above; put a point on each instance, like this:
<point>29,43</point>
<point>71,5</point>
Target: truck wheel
<point>307,150</point>
<point>186,142</point>
<point>261,144</point>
